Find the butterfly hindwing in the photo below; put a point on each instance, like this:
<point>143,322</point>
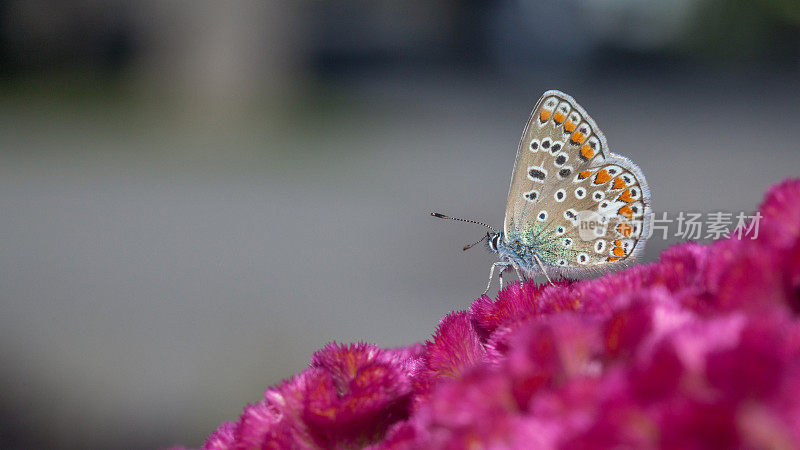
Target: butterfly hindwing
<point>576,204</point>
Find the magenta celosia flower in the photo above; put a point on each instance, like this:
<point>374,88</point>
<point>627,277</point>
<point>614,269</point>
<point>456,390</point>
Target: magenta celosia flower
<point>700,349</point>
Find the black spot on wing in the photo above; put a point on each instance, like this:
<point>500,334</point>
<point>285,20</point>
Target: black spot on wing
<point>536,174</point>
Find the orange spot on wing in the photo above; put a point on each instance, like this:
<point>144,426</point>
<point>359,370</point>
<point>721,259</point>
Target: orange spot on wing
<point>626,211</point>
<point>625,196</point>
<point>619,183</point>
<point>585,174</point>
<point>570,126</point>
<point>559,117</point>
<point>545,115</point>
<point>625,229</point>
<point>578,137</point>
<point>619,251</point>
<point>602,177</point>
<point>612,259</point>
<point>587,151</point>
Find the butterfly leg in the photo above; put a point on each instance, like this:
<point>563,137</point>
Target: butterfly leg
<point>491,274</point>
<point>500,275</point>
<point>542,267</point>
<point>519,275</point>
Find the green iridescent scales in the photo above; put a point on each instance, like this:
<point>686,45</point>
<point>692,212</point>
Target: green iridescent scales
<point>543,239</point>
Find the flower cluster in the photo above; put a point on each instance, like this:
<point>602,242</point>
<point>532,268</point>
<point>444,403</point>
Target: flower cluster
<point>700,349</point>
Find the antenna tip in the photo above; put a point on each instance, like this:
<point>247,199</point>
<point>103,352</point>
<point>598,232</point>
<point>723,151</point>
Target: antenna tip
<point>441,216</point>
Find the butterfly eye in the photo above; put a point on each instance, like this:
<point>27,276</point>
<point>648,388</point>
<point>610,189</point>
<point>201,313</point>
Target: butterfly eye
<point>567,242</point>
<point>561,159</point>
<point>557,146</point>
<point>580,193</point>
<point>565,172</point>
<point>542,216</point>
<point>598,195</point>
<point>546,143</point>
<point>560,230</point>
<point>583,258</point>
<point>560,195</point>
<point>535,145</point>
<point>562,262</point>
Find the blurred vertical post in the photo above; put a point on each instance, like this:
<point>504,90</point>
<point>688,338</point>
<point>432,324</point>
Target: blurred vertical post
<point>216,58</point>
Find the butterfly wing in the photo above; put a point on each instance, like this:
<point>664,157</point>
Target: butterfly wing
<point>571,200</point>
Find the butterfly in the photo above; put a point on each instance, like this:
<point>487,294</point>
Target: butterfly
<point>574,208</point>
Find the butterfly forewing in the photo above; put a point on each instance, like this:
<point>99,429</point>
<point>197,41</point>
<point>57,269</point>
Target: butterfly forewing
<point>571,200</point>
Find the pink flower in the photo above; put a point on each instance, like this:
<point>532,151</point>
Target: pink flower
<point>349,396</point>
<point>455,347</point>
<point>698,350</point>
<point>781,216</point>
<point>222,438</point>
<point>513,304</point>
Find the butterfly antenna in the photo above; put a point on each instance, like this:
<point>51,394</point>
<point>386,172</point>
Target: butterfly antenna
<point>442,216</point>
<point>467,247</point>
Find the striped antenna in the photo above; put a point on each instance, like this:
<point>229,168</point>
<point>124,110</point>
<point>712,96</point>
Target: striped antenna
<point>442,216</point>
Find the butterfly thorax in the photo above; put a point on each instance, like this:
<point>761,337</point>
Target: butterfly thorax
<point>515,252</point>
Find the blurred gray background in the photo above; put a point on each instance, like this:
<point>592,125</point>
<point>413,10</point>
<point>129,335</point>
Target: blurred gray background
<point>195,195</point>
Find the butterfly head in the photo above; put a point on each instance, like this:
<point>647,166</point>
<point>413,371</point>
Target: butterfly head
<point>494,240</point>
